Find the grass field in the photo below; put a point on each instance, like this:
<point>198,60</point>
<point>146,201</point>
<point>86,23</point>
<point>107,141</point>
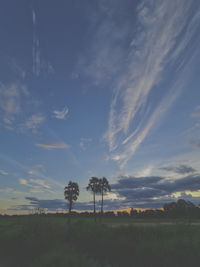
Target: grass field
<point>48,241</point>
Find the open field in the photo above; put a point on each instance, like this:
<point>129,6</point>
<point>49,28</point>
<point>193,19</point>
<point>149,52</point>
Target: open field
<point>49,241</point>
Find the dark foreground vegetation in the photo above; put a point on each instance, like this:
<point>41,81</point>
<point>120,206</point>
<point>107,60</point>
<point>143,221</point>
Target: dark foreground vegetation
<point>50,241</point>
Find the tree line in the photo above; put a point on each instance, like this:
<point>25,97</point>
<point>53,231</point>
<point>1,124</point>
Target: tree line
<point>95,186</point>
<point>100,186</point>
<point>179,209</point>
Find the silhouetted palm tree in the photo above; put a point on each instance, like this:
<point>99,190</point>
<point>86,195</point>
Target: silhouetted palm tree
<point>71,193</point>
<point>104,187</point>
<point>94,187</point>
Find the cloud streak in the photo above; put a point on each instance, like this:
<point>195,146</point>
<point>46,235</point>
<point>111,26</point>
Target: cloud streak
<point>3,172</point>
<point>154,51</point>
<point>34,183</point>
<point>60,114</point>
<point>15,102</point>
<point>53,145</point>
<point>38,174</point>
<point>35,47</point>
<point>34,121</point>
<point>10,102</point>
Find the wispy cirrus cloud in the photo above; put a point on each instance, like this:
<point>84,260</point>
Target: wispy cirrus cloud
<point>3,172</point>
<point>15,101</point>
<point>34,183</point>
<point>23,181</point>
<point>37,166</point>
<point>196,113</point>
<point>40,183</point>
<point>36,172</point>
<point>154,52</point>
<point>136,56</point>
<point>11,191</point>
<point>34,121</point>
<point>40,66</point>
<point>127,150</point>
<point>84,142</point>
<point>36,47</point>
<point>17,69</point>
<point>60,114</point>
<point>10,101</point>
<point>53,145</point>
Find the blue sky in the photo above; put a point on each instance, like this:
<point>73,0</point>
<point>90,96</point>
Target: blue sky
<point>99,88</point>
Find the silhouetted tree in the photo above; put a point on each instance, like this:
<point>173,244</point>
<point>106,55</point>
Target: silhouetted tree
<point>104,187</point>
<point>109,214</point>
<point>180,208</point>
<point>71,193</point>
<point>94,187</point>
<point>133,212</point>
<point>123,214</point>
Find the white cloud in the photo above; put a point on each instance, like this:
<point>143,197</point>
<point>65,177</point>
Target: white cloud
<point>21,73</point>
<point>35,48</point>
<point>15,101</point>
<point>33,16</point>
<point>145,172</point>
<point>35,184</point>
<point>37,173</point>
<point>156,44</point>
<point>3,172</point>
<point>135,67</point>
<point>37,166</point>
<point>60,114</point>
<point>39,183</point>
<point>146,65</point>
<point>31,172</point>
<point>10,191</point>
<point>23,181</point>
<point>9,101</point>
<point>130,148</point>
<point>196,113</point>
<point>34,121</point>
<point>40,65</point>
<point>53,145</point>
<point>84,142</point>
<point>106,55</point>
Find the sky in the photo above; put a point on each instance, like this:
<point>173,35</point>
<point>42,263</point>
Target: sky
<point>99,88</point>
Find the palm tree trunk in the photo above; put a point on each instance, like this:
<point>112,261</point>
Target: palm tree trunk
<point>102,203</point>
<point>69,213</point>
<point>94,206</point>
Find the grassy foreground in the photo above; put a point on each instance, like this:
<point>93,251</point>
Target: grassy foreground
<point>49,242</point>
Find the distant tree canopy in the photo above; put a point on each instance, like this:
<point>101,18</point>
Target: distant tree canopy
<point>71,193</point>
<point>94,187</point>
<point>181,207</point>
<point>98,185</point>
<point>104,187</point>
<point>181,204</point>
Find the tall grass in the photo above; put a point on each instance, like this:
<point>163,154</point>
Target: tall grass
<point>49,241</point>
<point>159,245</point>
<point>37,241</point>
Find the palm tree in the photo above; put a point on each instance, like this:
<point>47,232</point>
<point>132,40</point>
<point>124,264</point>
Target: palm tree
<point>71,193</point>
<point>104,187</point>
<point>94,187</point>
